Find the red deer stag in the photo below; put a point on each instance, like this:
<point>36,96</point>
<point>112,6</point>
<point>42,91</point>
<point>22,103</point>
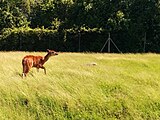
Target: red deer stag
<point>30,61</point>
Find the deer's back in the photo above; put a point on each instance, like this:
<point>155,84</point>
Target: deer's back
<point>32,60</point>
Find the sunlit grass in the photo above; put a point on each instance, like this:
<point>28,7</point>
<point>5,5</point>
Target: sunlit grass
<point>118,86</point>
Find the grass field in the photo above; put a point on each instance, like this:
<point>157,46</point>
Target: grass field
<point>119,86</point>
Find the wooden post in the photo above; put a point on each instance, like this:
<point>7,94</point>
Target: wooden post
<point>79,40</point>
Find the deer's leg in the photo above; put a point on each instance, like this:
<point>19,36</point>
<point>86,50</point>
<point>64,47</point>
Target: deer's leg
<point>37,69</point>
<point>23,75</point>
<point>24,71</point>
<point>44,69</point>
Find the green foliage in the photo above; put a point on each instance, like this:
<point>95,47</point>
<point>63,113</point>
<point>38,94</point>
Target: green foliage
<point>38,39</point>
<point>134,25</point>
<point>11,16</point>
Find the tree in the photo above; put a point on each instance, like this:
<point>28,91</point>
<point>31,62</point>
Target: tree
<point>143,15</point>
<point>11,15</point>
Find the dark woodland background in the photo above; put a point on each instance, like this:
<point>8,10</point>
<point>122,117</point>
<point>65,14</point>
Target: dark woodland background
<point>80,25</point>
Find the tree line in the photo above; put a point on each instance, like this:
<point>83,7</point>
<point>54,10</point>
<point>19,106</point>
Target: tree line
<point>80,25</point>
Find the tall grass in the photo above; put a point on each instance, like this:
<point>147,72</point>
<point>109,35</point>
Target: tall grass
<point>116,86</point>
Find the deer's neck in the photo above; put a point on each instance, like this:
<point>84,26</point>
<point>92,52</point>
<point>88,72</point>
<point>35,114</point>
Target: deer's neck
<point>46,57</point>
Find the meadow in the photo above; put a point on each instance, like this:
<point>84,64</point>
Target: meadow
<point>81,86</point>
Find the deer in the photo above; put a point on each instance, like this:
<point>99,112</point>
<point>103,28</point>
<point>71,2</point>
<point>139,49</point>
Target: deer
<point>30,61</point>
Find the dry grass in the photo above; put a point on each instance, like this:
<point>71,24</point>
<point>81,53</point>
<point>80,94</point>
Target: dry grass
<point>117,86</point>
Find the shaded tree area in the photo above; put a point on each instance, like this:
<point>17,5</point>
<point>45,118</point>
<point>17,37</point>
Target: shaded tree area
<point>80,25</point>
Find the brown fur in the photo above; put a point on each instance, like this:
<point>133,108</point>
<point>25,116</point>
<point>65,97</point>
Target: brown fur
<point>30,61</point>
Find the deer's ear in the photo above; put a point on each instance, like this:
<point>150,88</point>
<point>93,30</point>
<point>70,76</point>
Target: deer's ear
<point>48,50</point>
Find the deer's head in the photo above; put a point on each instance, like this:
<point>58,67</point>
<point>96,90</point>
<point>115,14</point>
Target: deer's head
<point>52,52</point>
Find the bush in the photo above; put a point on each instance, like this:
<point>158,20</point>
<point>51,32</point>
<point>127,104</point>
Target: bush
<point>40,39</point>
<point>27,39</point>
